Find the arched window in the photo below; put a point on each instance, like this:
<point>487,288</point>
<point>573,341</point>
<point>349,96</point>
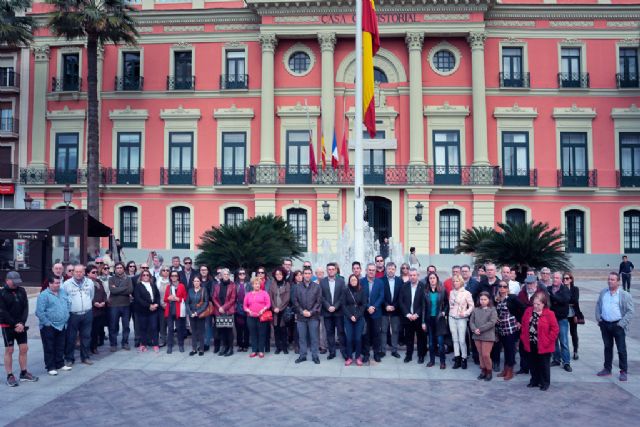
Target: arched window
<point>632,231</point>
<point>297,219</point>
<point>516,216</point>
<point>129,226</point>
<point>574,231</point>
<point>180,228</point>
<point>449,230</point>
<point>379,76</point>
<point>233,216</point>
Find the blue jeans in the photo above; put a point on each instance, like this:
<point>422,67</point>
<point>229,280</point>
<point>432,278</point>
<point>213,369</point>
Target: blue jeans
<point>433,337</point>
<point>78,323</point>
<point>117,315</point>
<point>562,343</point>
<point>353,333</point>
<point>308,332</point>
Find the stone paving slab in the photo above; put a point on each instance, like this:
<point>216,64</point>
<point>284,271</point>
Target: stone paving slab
<point>143,398</point>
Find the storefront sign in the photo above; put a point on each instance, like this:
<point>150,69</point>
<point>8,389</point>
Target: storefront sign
<point>7,189</point>
<point>28,236</point>
<point>393,18</point>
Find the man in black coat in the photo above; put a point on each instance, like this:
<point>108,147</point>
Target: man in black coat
<point>392,285</point>
<point>559,297</point>
<point>411,303</point>
<point>333,289</point>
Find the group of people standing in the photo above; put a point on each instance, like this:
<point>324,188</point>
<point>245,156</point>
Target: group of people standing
<point>360,317</point>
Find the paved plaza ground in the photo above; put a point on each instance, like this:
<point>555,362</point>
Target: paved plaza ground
<point>127,388</point>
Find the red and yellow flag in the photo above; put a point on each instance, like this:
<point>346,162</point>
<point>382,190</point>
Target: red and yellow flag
<point>370,46</point>
<point>323,153</point>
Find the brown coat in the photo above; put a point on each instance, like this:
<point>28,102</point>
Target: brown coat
<point>285,295</point>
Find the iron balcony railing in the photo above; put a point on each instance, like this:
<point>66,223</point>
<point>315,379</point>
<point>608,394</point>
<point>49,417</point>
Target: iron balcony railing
<point>509,80</point>
<point>52,176</point>
<point>181,82</point>
<point>627,178</point>
<point>9,125</point>
<point>66,84</point>
<point>9,79</point>
<point>573,80</point>
<point>176,176</point>
<point>123,176</point>
<point>234,81</point>
<point>519,178</point>
<point>125,83</point>
<point>627,80</point>
<point>230,176</point>
<point>577,178</point>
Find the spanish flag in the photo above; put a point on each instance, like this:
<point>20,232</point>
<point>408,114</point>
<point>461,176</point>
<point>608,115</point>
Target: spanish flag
<point>370,46</point>
<point>323,153</point>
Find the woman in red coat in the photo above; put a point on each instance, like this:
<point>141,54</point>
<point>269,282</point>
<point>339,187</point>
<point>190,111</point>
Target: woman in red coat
<point>175,311</point>
<point>224,304</point>
<point>538,334</point>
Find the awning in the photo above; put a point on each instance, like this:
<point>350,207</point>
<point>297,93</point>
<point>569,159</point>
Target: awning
<point>51,221</point>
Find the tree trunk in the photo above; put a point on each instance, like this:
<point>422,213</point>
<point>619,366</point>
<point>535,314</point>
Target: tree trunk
<point>93,134</point>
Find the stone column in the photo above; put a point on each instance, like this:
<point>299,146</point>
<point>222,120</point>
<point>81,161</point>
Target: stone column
<point>414,42</point>
<point>327,44</point>
<point>480,152</point>
<point>39,124</point>
<point>267,116</point>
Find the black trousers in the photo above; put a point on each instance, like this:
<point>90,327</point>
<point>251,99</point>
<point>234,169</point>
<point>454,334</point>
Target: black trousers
<point>97,331</point>
<point>53,347</point>
<point>573,330</point>
<point>540,367</point>
<point>612,332</point>
<point>371,336</point>
<point>242,331</point>
<point>280,331</point>
<point>225,335</point>
<point>411,330</point>
<point>257,333</point>
<point>626,281</point>
<point>331,324</point>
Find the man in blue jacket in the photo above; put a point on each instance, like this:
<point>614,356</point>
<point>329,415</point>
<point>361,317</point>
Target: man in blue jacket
<point>373,314</point>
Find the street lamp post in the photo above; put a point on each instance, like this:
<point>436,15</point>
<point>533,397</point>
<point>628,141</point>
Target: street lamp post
<point>28,201</point>
<point>67,195</point>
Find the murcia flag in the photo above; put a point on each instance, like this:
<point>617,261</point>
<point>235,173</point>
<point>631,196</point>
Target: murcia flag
<point>312,157</point>
<point>370,46</point>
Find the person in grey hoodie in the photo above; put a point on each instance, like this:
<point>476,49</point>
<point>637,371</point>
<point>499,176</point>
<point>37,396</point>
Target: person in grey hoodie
<point>80,290</point>
<point>120,290</point>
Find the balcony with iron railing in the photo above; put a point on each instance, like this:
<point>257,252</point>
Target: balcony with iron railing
<point>9,127</point>
<point>9,80</point>
<point>234,81</point>
<point>573,80</point>
<point>628,178</point>
<point>181,82</point>
<point>578,178</point>
<point>66,84</point>
<point>627,80</point>
<point>177,176</point>
<point>123,176</point>
<point>519,178</point>
<point>514,80</point>
<point>125,83</point>
<point>52,176</point>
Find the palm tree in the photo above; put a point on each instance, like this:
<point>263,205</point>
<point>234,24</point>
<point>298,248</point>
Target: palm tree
<point>15,30</point>
<point>471,239</point>
<point>99,22</point>
<point>523,245</point>
<point>259,241</point>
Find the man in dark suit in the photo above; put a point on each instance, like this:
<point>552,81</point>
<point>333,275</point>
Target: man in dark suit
<point>391,285</point>
<point>372,314</point>
<point>411,304</point>
<point>333,289</point>
<point>187,273</point>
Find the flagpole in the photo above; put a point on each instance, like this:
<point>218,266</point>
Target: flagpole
<point>358,238</point>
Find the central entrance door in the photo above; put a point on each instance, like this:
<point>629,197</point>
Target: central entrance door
<point>378,215</point>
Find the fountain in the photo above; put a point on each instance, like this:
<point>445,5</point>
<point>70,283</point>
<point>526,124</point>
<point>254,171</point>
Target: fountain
<point>344,254</point>
<point>396,253</point>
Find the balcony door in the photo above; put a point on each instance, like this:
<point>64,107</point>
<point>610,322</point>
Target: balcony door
<point>446,152</point>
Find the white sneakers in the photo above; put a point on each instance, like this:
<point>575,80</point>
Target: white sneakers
<point>66,368</point>
<point>53,372</point>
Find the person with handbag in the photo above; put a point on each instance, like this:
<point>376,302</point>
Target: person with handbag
<point>224,306</point>
<point>198,309</point>
<point>460,308</point>
<point>483,326</point>
<point>434,319</point>
<point>243,285</point>
<point>280,295</point>
<point>175,311</point>
<point>256,305</point>
<point>509,309</point>
<point>575,316</point>
<point>538,334</point>
<point>354,302</point>
<point>147,301</point>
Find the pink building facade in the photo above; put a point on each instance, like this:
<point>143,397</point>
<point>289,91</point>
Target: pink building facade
<point>487,111</point>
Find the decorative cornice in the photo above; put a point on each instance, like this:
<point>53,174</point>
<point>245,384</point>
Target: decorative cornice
<point>331,7</point>
<point>296,19</point>
<point>183,45</point>
<point>41,53</point>
<point>446,110</point>
<point>623,24</point>
<point>299,110</point>
<point>414,40</point>
<point>446,17</point>
<point>515,112</point>
<point>237,27</point>
<point>633,112</point>
<point>631,42</point>
<point>183,28</point>
<point>129,114</point>
<point>194,16</point>
<point>144,29</point>
<point>504,23</point>
<point>268,41</point>
<point>574,112</point>
<point>476,40</point>
<point>564,11</point>
<point>327,41</point>
<point>557,24</point>
<point>66,114</point>
<point>233,113</point>
<point>180,113</point>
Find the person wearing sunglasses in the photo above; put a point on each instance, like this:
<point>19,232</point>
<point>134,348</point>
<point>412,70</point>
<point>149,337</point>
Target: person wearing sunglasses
<point>175,310</point>
<point>147,300</point>
<point>162,283</point>
<point>243,286</point>
<point>510,310</point>
<point>120,290</point>
<point>99,309</point>
<point>188,273</point>
<point>131,269</point>
<point>207,281</point>
<point>575,315</point>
